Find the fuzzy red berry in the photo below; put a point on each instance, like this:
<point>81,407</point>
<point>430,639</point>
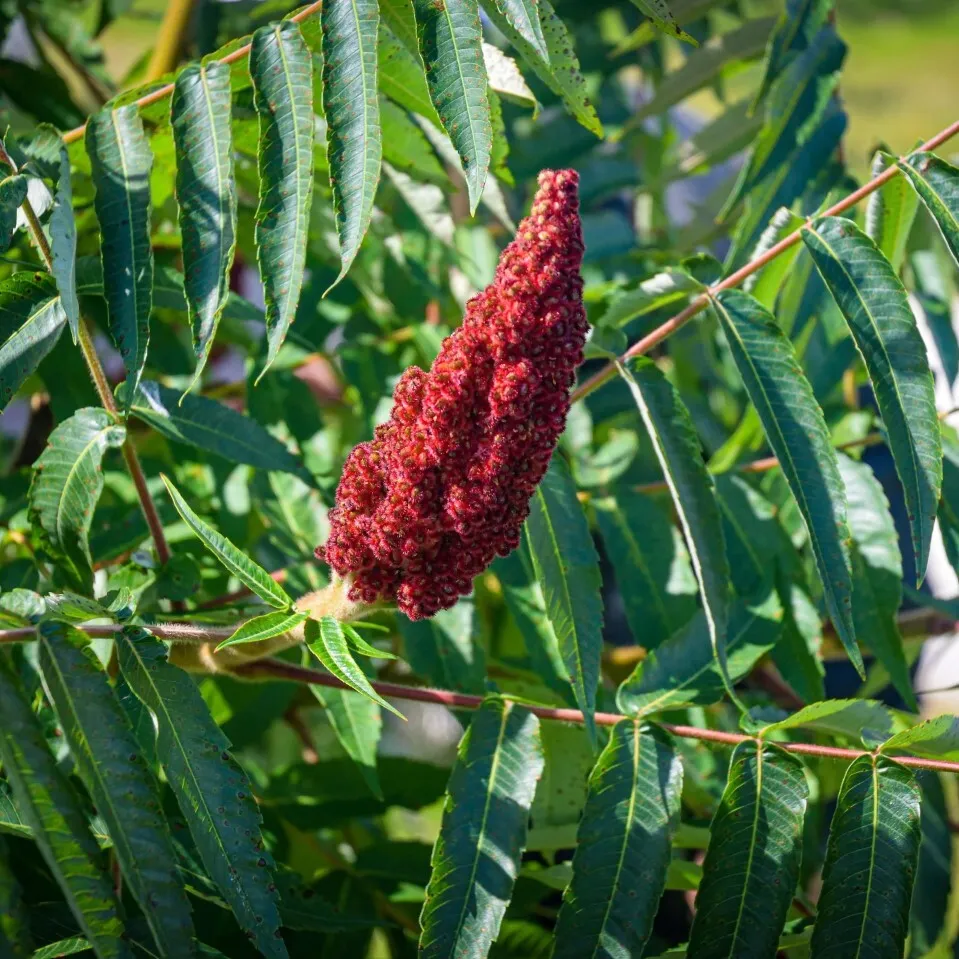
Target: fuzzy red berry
<point>444,486</point>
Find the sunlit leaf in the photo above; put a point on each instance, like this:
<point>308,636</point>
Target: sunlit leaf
<point>122,786</point>
<point>450,41</point>
<point>282,71</point>
<point>205,192</point>
<point>213,792</point>
<point>623,845</point>
<point>351,104</point>
<point>870,862</point>
<point>238,563</point>
<point>477,853</point>
<point>876,308</point>
<point>752,864</point>
<point>567,569</point>
<point>67,483</point>
<point>121,164</point>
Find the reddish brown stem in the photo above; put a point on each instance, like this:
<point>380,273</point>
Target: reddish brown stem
<point>154,96</point>
<point>653,339</point>
<point>277,669</point>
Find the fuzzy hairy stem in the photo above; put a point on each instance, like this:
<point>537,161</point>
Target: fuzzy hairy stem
<point>202,657</point>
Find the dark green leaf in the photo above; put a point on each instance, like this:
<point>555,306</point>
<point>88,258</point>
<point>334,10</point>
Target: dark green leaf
<point>15,939</point>
<point>238,563</point>
<point>401,71</point>
<point>877,573</point>
<point>209,425</point>
<point>623,845</point>
<point>445,648</point>
<point>67,484</point>
<point>264,627</point>
<point>937,183</point>
<point>282,70</point>
<point>352,108</point>
<point>51,809</point>
<point>523,17</point>
<point>683,671</point>
<point>797,25</point>
<point>797,432</point>
<point>662,18</point>
<point>120,783</point>
<point>937,738</point>
<point>63,245</point>
<point>31,321</point>
<point>567,568</point>
<point>450,41</point>
<point>839,717</point>
<point>121,164</point>
<point>664,289</point>
<point>651,565</point>
<point>678,451</point>
<point>327,642</point>
<point>358,723</point>
<point>752,864</point>
<point>795,105</point>
<point>205,191</point>
<point>477,853</point>
<point>890,213</point>
<point>874,303</point>
<point>870,863</point>
<point>13,191</point>
<point>562,73</point>
<point>406,147</point>
<point>211,789</point>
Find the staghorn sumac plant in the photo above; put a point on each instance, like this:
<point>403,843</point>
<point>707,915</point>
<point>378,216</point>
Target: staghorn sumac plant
<point>362,370</point>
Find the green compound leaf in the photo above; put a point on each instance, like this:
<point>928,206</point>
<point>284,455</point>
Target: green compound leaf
<point>205,192</point>
<point>797,433</point>
<point>877,573</point>
<point>752,864</point>
<point>215,427</point>
<point>561,73</point>
<point>13,191</point>
<point>623,846</point>
<point>401,73</point>
<point>327,642</point>
<point>890,213</point>
<point>683,671</point>
<point>67,483</point>
<point>121,164</point>
<point>691,487</point>
<point>839,717</point>
<point>350,101</point>
<point>264,627</point>
<point>119,781</point>
<point>937,184</point>
<point>52,810</point>
<point>651,565</point>
<point>15,939</point>
<point>476,856</point>
<point>523,17</point>
<point>451,43</point>
<point>567,568</point>
<point>282,70</point>
<point>870,863</point>
<point>237,562</point>
<point>213,792</point>
<point>63,245</point>
<point>357,722</point>
<point>937,738</point>
<point>662,18</point>
<point>875,305</point>
<point>445,650</point>
<point>31,321</point>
